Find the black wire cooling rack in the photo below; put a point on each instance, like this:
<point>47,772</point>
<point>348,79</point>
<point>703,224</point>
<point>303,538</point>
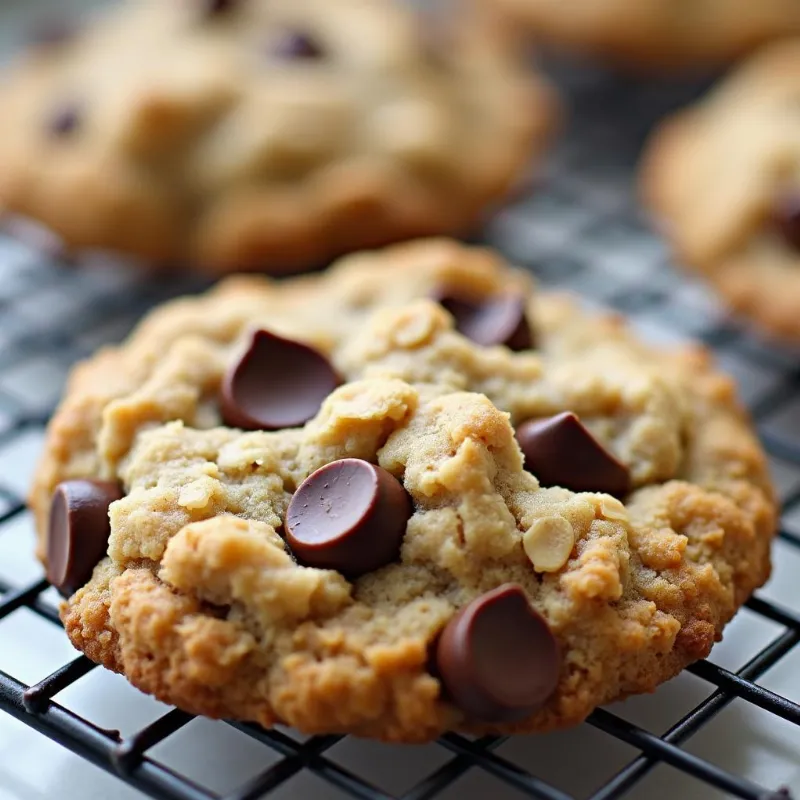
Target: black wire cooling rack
<point>576,226</point>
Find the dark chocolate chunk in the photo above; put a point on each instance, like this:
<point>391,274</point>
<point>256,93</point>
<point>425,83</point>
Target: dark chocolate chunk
<point>786,214</point>
<point>560,451</point>
<point>65,120</point>
<point>296,45</point>
<point>213,7</point>
<point>350,516</point>
<point>436,36</point>
<point>499,319</point>
<point>277,383</point>
<point>77,536</point>
<point>497,658</point>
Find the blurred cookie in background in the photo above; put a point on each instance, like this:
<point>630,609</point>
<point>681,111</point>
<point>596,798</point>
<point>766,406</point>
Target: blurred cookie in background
<point>724,178</point>
<point>664,35</point>
<point>265,134</point>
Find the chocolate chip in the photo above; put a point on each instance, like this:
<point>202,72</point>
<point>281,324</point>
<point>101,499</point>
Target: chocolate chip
<point>497,658</point>
<point>213,7</point>
<point>52,32</point>
<point>435,35</point>
<point>77,536</point>
<point>296,45</point>
<point>350,516</point>
<point>786,214</point>
<point>65,120</point>
<point>499,319</point>
<point>277,383</point>
<point>560,451</point>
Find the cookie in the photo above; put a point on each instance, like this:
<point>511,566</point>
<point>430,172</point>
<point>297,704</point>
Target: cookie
<point>657,34</point>
<point>723,178</point>
<point>336,504</point>
<point>265,135</point>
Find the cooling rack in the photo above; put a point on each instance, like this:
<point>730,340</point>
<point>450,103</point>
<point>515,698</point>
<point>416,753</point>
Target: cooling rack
<point>727,727</point>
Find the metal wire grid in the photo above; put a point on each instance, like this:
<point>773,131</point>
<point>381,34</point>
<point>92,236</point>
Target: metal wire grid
<point>579,229</point>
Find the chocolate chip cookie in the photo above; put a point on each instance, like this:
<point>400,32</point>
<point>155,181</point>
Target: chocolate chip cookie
<point>658,34</point>
<point>724,178</point>
<point>406,496</point>
<point>265,134</point>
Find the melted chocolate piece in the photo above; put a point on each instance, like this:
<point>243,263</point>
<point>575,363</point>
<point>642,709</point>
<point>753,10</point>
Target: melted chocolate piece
<point>786,215</point>
<point>350,516</point>
<point>497,657</point>
<point>65,120</point>
<point>499,319</point>
<point>277,383</point>
<point>214,7</point>
<point>560,451</point>
<point>296,45</point>
<point>77,535</point>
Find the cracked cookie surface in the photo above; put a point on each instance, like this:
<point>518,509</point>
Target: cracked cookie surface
<point>658,34</point>
<point>201,601</point>
<point>724,177</point>
<point>267,135</point>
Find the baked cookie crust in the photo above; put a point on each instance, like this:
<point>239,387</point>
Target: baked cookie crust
<point>266,135</point>
<point>200,602</point>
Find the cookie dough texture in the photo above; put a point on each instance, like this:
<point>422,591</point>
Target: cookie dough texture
<point>660,34</point>
<point>712,175</point>
<point>203,139</point>
<point>199,602</point>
